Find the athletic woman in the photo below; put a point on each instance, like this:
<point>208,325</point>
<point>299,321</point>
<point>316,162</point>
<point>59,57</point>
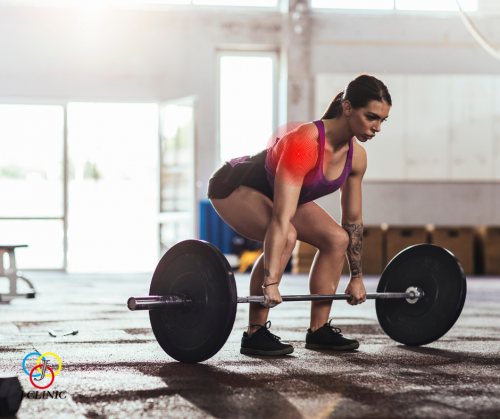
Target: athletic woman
<point>269,197</point>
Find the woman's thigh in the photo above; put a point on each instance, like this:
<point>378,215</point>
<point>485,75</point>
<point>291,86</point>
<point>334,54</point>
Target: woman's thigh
<point>317,228</point>
<point>247,211</point>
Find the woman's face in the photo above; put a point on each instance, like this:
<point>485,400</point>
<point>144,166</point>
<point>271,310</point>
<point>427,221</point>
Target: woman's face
<point>366,122</point>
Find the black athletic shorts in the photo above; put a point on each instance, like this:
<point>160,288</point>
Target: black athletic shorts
<point>251,173</point>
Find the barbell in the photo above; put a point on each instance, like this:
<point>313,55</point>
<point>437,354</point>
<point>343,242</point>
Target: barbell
<point>192,298</point>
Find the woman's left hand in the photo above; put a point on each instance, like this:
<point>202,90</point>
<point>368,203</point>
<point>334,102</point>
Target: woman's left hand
<point>356,288</point>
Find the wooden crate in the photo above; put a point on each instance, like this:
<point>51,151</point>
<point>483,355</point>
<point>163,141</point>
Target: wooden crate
<point>459,241</point>
<point>491,251</point>
<point>372,261</point>
<point>399,238</point>
<point>373,250</point>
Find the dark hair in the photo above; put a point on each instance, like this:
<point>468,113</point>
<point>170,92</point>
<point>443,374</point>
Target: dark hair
<point>359,92</point>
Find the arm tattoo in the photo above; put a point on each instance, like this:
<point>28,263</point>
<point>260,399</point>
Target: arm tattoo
<point>266,272</point>
<point>355,248</point>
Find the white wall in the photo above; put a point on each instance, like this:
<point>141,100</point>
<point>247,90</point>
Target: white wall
<point>441,127</point>
<point>419,203</point>
<point>427,48</point>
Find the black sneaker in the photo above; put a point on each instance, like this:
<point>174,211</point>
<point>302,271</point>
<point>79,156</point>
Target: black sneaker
<point>263,342</point>
<point>329,337</point>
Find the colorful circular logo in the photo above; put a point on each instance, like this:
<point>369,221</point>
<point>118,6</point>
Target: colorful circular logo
<point>42,368</point>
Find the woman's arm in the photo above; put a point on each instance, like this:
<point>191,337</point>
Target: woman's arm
<point>352,222</point>
<point>286,199</point>
<point>295,156</point>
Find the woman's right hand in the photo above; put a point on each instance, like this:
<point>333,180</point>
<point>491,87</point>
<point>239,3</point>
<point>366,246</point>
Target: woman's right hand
<point>272,296</point>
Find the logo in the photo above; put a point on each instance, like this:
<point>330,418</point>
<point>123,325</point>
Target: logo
<point>42,369</point>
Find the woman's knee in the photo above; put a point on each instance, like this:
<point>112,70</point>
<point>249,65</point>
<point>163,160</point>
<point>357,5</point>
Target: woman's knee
<point>291,239</point>
<point>344,240</point>
<point>335,239</point>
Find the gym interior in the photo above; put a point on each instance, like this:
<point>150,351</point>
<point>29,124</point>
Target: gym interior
<point>113,116</point>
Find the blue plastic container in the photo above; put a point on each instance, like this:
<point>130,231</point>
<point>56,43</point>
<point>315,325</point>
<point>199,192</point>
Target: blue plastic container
<point>213,229</point>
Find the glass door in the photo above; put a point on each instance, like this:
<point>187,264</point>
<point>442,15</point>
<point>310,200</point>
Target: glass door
<point>247,102</point>
<point>32,184</point>
<point>113,187</point>
<point>177,172</point>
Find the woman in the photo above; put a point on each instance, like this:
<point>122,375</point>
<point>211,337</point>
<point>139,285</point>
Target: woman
<point>269,197</point>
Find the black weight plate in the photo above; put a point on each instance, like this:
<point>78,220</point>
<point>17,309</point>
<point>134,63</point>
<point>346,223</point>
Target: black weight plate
<point>10,395</point>
<point>439,274</point>
<point>198,270</point>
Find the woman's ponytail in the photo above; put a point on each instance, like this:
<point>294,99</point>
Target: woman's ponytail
<point>335,107</point>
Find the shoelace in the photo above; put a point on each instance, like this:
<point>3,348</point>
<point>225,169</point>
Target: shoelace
<point>332,329</point>
<point>269,336</point>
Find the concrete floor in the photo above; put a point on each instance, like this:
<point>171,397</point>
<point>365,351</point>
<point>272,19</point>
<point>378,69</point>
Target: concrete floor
<point>114,368</point>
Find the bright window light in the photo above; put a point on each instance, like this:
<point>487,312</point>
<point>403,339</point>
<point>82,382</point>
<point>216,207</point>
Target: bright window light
<point>353,4</point>
<point>43,237</point>
<point>31,161</point>
<point>93,4</point>
<point>169,1</point>
<point>246,105</point>
<point>436,5</point>
<point>152,1</point>
<point>99,4</point>
<point>31,182</point>
<point>256,3</point>
<point>113,187</point>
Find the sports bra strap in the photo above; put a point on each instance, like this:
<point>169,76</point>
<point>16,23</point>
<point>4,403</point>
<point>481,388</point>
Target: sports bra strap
<point>321,129</point>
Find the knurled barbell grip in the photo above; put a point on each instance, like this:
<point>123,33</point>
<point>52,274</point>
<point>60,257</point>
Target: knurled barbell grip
<point>312,297</point>
<point>152,302</point>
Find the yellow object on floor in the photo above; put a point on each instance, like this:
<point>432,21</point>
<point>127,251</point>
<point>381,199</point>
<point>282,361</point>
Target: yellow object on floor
<point>247,259</point>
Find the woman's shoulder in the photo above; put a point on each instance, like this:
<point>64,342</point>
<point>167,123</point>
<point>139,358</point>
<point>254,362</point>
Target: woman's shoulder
<point>302,137</point>
<point>297,152</point>
<point>358,148</point>
<point>309,129</point>
<point>305,136</point>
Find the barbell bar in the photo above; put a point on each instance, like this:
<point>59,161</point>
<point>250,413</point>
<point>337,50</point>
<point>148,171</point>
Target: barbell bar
<point>192,299</point>
<point>155,302</point>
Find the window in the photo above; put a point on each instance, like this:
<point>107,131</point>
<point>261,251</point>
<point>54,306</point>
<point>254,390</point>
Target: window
<point>429,5</point>
<point>32,183</point>
<point>177,172</point>
<point>253,3</point>
<point>353,4</point>
<point>142,3</point>
<point>102,216</point>
<point>113,187</point>
<point>437,5</point>
<point>247,3</point>
<point>247,103</point>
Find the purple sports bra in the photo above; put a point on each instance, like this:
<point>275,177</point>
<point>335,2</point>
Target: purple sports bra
<point>320,186</point>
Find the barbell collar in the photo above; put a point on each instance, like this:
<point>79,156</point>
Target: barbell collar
<point>152,302</point>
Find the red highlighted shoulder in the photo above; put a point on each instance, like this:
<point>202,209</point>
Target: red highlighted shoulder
<point>295,154</point>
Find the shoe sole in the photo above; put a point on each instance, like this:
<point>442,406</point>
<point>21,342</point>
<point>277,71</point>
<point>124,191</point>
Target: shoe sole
<point>332,347</point>
<point>248,351</point>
